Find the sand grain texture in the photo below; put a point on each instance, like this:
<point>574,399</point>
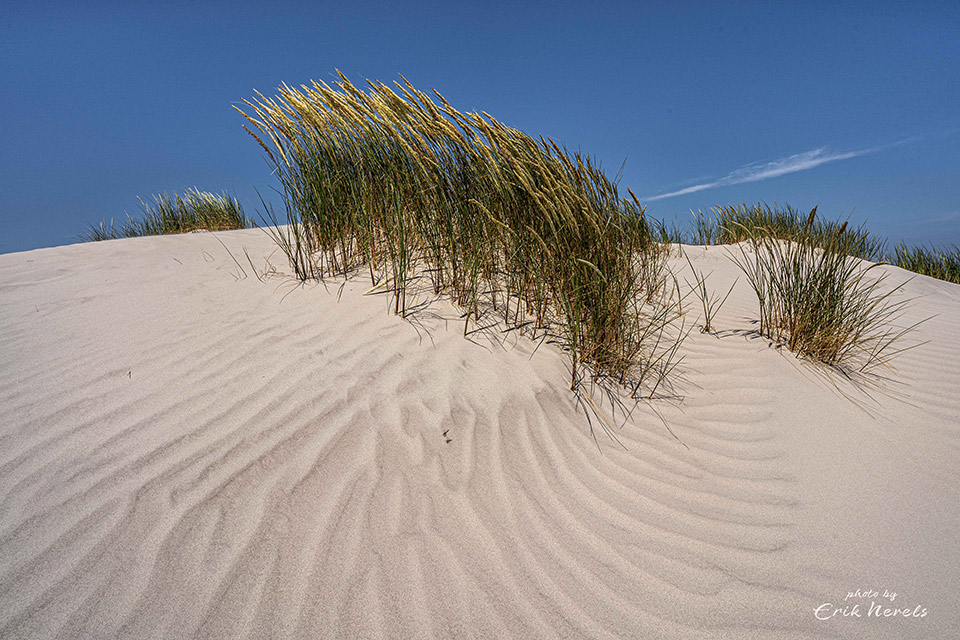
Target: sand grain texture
<point>188,453</point>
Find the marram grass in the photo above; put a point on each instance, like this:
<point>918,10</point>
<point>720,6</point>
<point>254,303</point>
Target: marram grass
<point>735,223</point>
<point>942,263</point>
<point>817,299</point>
<point>730,224</point>
<point>710,302</point>
<point>402,185</point>
<point>194,210</point>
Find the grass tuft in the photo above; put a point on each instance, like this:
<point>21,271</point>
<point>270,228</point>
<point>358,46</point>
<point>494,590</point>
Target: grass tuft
<point>942,263</point>
<point>194,210</point>
<point>709,302</point>
<point>818,300</point>
<point>735,223</point>
<point>398,183</point>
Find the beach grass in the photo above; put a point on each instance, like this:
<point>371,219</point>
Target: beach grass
<point>819,300</point>
<point>174,213</point>
<point>937,262</point>
<point>710,301</point>
<point>734,223</point>
<point>400,184</point>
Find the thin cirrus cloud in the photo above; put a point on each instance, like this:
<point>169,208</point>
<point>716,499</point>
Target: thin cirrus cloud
<point>764,171</point>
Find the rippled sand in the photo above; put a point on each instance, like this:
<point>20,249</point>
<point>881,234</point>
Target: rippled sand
<point>186,452</point>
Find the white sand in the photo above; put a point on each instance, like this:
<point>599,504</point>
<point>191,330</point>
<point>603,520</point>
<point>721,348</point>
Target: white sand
<point>188,454</point>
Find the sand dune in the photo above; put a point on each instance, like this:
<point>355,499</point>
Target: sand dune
<point>186,451</point>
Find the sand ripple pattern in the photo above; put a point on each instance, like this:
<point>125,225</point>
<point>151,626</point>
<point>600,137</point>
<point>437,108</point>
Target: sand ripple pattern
<point>188,453</point>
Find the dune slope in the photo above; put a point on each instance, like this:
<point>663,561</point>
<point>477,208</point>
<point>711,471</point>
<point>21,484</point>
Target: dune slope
<point>186,451</point>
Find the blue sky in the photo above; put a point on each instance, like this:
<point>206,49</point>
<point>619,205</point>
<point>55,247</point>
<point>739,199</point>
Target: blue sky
<point>854,107</point>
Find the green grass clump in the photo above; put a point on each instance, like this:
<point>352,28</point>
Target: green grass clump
<point>817,300</point>
<point>401,184</point>
<point>735,223</point>
<point>192,211</point>
<point>709,301</point>
<point>942,263</point>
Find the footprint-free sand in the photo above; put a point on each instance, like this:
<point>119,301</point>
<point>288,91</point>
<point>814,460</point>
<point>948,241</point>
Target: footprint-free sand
<point>189,452</point>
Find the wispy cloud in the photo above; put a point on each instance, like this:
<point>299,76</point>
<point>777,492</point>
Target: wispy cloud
<point>953,215</point>
<point>765,170</point>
